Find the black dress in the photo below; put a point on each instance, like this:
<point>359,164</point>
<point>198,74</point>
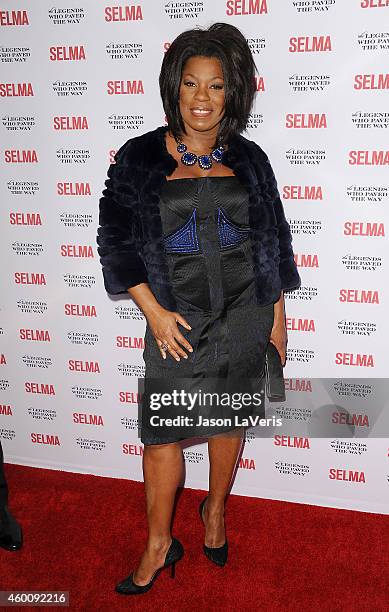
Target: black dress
<point>206,237</point>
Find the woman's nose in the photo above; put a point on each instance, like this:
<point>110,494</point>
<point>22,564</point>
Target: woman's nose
<point>202,93</point>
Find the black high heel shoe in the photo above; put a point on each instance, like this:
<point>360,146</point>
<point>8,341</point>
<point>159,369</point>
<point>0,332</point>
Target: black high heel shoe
<point>174,554</point>
<point>219,554</point>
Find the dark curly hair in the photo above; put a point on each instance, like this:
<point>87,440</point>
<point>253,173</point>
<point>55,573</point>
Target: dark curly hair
<point>229,46</point>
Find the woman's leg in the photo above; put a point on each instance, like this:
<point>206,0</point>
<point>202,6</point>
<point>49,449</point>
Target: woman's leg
<point>223,453</point>
<point>162,470</point>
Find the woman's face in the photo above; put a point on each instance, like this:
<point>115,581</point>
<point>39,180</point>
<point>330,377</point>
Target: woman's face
<point>201,99</point>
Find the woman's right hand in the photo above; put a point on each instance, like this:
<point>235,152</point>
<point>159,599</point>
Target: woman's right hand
<point>163,325</point>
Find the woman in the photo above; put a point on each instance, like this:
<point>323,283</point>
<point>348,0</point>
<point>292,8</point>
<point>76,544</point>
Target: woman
<point>192,226</point>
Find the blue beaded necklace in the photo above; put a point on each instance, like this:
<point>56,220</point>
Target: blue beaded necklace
<point>204,161</point>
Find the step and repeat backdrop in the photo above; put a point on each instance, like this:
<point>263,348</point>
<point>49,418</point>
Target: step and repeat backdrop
<point>76,83</point>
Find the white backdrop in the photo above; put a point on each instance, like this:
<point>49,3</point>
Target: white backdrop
<point>76,84</point>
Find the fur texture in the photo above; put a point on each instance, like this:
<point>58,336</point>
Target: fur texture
<point>130,239</point>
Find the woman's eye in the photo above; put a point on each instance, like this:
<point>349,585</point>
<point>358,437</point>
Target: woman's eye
<point>214,86</point>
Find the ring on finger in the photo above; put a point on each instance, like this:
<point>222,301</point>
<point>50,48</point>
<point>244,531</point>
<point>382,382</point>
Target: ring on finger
<point>164,346</point>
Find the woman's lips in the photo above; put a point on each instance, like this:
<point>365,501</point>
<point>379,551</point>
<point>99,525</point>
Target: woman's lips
<point>200,113</point>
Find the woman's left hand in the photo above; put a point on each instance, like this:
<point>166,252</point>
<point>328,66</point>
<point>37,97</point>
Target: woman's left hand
<point>279,338</point>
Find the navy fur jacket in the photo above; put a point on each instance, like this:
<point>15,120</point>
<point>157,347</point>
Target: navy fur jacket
<point>129,236</point>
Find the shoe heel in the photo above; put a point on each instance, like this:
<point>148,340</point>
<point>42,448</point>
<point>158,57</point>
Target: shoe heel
<point>173,570</point>
<point>129,587</point>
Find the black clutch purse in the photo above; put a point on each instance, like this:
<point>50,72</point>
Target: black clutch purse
<point>274,375</point>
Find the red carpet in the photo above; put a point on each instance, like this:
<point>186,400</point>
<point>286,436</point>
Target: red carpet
<point>84,533</point>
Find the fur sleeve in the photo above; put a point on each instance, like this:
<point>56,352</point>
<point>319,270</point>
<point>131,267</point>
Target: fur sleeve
<point>118,234</point>
<point>289,275</point>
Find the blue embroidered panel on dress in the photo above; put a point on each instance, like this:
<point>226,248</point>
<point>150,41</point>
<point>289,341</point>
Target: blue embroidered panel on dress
<point>229,233</point>
<point>185,239</point>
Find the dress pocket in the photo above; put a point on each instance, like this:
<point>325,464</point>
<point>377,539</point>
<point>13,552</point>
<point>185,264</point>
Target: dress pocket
<point>237,270</point>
